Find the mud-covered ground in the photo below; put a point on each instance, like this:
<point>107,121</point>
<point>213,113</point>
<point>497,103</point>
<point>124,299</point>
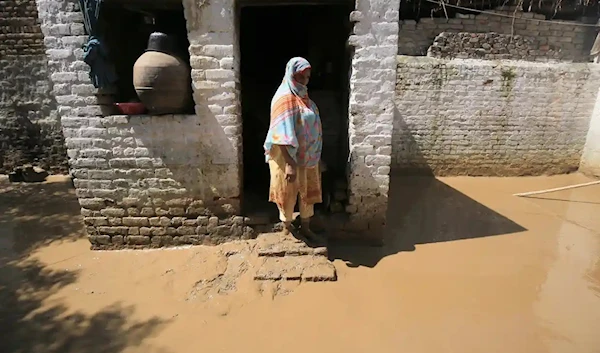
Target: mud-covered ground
<point>467,268</point>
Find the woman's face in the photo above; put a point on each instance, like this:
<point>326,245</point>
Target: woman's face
<point>303,77</point>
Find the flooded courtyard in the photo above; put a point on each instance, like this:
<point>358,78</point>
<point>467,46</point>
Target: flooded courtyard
<point>467,267</point>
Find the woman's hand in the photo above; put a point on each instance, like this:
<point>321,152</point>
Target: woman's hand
<point>290,173</point>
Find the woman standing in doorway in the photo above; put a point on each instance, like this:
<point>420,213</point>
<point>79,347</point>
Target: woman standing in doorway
<point>293,148</point>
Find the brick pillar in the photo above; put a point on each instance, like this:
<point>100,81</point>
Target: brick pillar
<point>64,35</point>
<point>214,60</point>
<point>372,90</point>
<point>590,159</point>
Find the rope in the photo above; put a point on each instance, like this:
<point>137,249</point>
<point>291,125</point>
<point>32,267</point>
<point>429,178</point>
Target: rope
<point>524,194</point>
<point>442,3</point>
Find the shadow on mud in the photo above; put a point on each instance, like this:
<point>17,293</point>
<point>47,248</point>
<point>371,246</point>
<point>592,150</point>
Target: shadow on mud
<point>33,216</point>
<point>424,210</point>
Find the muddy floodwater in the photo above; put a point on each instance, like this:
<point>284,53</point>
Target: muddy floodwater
<point>467,267</point>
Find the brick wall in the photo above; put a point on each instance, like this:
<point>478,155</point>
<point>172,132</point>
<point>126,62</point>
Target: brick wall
<point>371,108</point>
<point>215,80</point>
<point>177,179</point>
<point>491,46</point>
<point>590,159</point>
<point>29,125</point>
<point>151,181</point>
<point>476,117</point>
<point>553,42</point>
<point>215,73</point>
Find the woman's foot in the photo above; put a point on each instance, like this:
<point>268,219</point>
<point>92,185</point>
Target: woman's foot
<point>308,233</point>
<point>287,228</point>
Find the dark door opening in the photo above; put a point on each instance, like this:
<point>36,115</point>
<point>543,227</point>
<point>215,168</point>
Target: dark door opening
<point>269,37</point>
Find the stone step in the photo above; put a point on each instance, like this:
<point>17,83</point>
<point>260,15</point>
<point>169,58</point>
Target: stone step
<point>293,268</point>
<point>259,218</point>
<point>279,245</point>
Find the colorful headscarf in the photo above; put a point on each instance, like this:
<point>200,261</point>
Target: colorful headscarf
<point>295,120</point>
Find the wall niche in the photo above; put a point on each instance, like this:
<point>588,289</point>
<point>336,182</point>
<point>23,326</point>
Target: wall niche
<point>125,27</point>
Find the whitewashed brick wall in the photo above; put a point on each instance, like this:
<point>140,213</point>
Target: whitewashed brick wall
<point>590,160</point>
<point>64,34</point>
<point>475,117</point>
<point>153,181</point>
<point>177,179</point>
<point>149,181</point>
<point>216,84</point>
<point>371,109</point>
<point>215,73</point>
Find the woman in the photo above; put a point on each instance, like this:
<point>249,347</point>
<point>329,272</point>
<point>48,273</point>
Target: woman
<point>293,148</point>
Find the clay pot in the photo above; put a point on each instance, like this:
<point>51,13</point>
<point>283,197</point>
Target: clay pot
<point>162,80</point>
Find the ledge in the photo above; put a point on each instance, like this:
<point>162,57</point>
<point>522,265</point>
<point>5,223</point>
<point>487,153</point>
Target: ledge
<point>427,60</point>
<point>113,120</point>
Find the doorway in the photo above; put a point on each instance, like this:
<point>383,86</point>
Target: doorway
<point>269,37</point>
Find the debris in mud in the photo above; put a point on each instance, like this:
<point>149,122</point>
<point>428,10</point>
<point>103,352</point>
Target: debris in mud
<point>272,289</point>
<point>236,247</point>
<point>28,174</point>
<point>222,283</point>
<point>276,263</point>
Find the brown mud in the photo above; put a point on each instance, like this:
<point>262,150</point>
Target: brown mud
<point>467,267</point>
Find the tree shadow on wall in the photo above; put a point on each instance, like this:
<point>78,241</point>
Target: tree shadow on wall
<point>32,216</point>
<point>25,140</point>
<point>423,209</point>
